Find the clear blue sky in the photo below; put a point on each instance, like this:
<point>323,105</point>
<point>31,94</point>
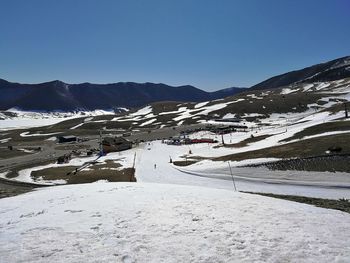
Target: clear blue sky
<point>211,44</point>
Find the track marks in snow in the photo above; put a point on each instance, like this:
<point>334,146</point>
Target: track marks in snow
<point>167,223</point>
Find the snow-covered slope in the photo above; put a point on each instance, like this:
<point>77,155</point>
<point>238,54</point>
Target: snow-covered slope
<point>253,105</point>
<point>331,70</point>
<point>17,119</point>
<point>298,99</point>
<point>134,222</point>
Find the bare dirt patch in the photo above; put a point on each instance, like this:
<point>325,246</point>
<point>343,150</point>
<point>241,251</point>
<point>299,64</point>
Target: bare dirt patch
<point>247,141</point>
<point>330,163</point>
<point>110,171</point>
<point>184,163</point>
<point>6,153</point>
<point>341,204</point>
<point>72,147</point>
<point>304,148</point>
<point>322,128</point>
<point>7,189</point>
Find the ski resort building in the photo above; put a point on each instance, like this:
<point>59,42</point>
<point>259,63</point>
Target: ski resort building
<point>116,144</point>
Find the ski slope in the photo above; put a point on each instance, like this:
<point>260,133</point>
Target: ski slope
<point>140,222</point>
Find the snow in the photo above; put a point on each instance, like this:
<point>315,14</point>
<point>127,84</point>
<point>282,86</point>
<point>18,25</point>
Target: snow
<point>26,134</point>
<point>3,174</point>
<point>183,214</point>
<point>253,96</point>
<point>248,179</point>
<point>229,116</point>
<point>307,87</point>
<point>322,85</point>
<point>141,222</point>
<point>201,104</point>
<point>25,150</point>
<point>29,119</point>
<point>206,173</point>
<point>286,91</point>
<point>123,109</point>
<point>204,110</point>
<point>252,115</point>
<point>11,124</point>
<point>77,126</point>
<point>281,128</point>
<point>53,138</point>
<point>182,112</point>
<point>5,140</point>
<point>147,122</point>
<point>235,101</point>
<point>150,115</point>
<point>25,174</point>
<point>143,111</point>
<point>179,110</point>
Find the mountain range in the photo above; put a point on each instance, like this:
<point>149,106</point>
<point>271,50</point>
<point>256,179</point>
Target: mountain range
<point>59,96</point>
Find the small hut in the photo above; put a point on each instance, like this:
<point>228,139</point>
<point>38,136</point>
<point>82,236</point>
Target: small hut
<point>68,138</point>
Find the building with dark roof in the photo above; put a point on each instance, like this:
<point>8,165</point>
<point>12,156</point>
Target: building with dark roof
<point>68,138</point>
<point>116,144</point>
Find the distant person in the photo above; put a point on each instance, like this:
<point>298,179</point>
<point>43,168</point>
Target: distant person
<point>155,166</point>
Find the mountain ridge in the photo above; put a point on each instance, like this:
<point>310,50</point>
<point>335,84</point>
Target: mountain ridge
<point>327,71</point>
<point>58,95</point>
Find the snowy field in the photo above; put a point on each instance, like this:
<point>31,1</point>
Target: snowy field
<point>138,222</point>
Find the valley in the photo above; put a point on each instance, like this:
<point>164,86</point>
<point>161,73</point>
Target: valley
<point>271,154</point>
<point>266,131</point>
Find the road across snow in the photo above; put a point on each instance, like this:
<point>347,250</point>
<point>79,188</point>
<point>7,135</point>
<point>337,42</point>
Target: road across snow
<point>138,222</point>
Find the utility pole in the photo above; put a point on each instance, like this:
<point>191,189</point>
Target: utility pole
<point>233,180</point>
<point>346,110</point>
<point>133,164</point>
<point>101,149</point>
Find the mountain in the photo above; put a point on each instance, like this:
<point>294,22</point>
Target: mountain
<point>223,93</point>
<point>57,95</point>
<point>328,71</point>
